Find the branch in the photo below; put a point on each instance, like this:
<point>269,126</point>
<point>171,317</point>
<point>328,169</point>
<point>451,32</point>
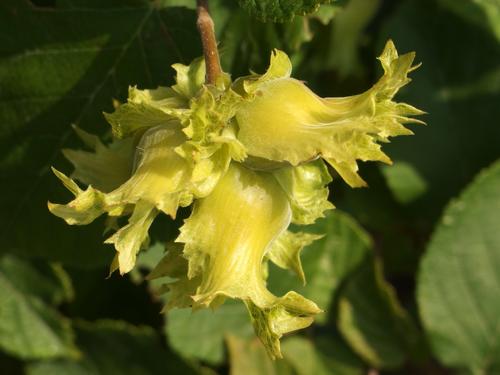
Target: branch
<point>206,29</point>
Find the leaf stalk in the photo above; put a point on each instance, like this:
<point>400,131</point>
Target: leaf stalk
<point>205,26</point>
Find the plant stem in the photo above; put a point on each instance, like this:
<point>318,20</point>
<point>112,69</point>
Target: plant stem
<point>206,28</point>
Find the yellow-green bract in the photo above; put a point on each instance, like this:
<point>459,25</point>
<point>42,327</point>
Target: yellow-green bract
<point>250,155</point>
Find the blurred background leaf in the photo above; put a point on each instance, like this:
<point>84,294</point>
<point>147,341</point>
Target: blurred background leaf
<point>482,13</point>
<point>457,57</point>
<point>372,320</point>
<point>327,262</point>
<point>322,356</point>
<point>459,283</point>
<point>30,328</point>
<point>201,334</point>
<point>250,357</point>
<point>114,348</point>
<point>300,357</point>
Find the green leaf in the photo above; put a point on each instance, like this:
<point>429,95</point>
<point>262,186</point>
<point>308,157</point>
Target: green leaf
<point>66,69</point>
<point>146,261</point>
<point>323,356</point>
<point>348,29</point>
<point>404,181</point>
<point>29,327</point>
<point>49,282</point>
<point>373,322</point>
<point>280,10</point>
<point>327,12</point>
<point>483,13</point>
<point>327,261</point>
<point>201,334</point>
<point>115,348</point>
<point>60,367</point>
<point>456,89</point>
<point>458,283</point>
<point>249,357</point>
<point>301,356</point>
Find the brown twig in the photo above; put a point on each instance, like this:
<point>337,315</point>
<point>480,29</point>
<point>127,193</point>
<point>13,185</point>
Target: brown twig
<point>206,28</point>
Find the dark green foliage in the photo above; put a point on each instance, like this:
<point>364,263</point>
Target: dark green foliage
<point>280,10</point>
<point>65,68</point>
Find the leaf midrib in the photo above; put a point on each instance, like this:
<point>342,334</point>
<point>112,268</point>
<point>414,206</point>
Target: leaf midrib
<point>86,107</point>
